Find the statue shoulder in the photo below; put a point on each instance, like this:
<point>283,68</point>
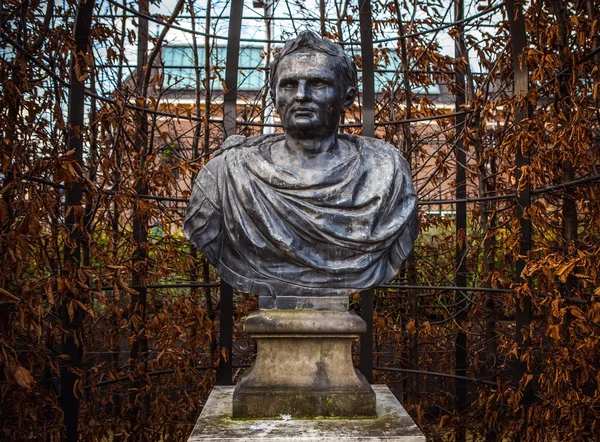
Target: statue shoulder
<point>223,156</point>
<point>374,147</point>
<point>380,156</point>
<point>231,142</point>
<point>240,141</point>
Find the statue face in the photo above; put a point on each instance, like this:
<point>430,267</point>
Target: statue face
<point>309,94</point>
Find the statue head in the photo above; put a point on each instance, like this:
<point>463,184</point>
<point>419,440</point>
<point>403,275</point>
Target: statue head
<point>306,60</point>
<point>309,40</point>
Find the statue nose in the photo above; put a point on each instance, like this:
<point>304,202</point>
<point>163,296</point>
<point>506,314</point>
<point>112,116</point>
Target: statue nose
<point>302,93</point>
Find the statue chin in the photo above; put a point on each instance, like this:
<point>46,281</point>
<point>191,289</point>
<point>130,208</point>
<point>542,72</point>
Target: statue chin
<point>306,129</point>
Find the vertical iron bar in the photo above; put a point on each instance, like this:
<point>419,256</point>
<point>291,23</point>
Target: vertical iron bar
<point>231,70</point>
<point>523,305</point>
<point>368,75</point>
<point>138,407</point>
<point>207,90</point>
<point>266,104</point>
<point>196,139</point>
<point>368,68</point>
<point>226,335</point>
<point>366,339</point>
<point>206,150</point>
<point>410,263</point>
<point>229,117</point>
<point>322,16</point>
<point>413,364</point>
<point>92,168</point>
<point>460,278</point>
<point>73,346</point>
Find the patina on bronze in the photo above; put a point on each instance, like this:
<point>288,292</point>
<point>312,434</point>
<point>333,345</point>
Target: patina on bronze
<point>310,212</point>
<point>302,219</point>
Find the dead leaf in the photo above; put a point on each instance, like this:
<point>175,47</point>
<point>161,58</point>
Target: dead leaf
<point>7,296</point>
<point>554,332</point>
<point>23,377</point>
<point>3,211</point>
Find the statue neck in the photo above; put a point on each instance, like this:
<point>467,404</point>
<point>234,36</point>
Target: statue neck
<point>313,152</point>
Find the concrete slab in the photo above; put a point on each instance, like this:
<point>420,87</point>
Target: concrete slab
<point>393,424</point>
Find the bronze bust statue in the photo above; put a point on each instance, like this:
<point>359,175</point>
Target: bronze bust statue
<point>310,212</point>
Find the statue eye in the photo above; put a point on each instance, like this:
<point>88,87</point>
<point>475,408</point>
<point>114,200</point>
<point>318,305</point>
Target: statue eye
<point>288,86</point>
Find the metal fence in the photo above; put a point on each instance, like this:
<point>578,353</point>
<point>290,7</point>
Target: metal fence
<point>85,98</point>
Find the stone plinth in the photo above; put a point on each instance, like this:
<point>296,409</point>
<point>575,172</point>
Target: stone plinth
<point>303,367</point>
<point>392,424</point>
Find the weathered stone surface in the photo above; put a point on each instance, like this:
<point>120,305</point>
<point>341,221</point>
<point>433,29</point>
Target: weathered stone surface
<point>285,322</point>
<point>332,303</point>
<point>262,404</point>
<point>303,366</point>
<point>392,424</point>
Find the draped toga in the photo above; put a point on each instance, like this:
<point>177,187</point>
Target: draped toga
<point>272,230</point>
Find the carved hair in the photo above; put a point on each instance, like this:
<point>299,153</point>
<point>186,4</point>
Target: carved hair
<point>309,39</point>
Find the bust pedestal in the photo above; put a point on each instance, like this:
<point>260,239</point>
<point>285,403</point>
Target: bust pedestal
<point>303,385</point>
<point>303,367</point>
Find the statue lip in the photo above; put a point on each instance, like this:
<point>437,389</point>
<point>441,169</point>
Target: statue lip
<point>303,110</point>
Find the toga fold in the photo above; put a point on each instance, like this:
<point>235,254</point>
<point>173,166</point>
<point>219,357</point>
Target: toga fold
<point>271,230</point>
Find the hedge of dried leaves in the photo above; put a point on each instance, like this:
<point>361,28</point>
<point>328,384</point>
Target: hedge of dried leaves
<point>114,331</point>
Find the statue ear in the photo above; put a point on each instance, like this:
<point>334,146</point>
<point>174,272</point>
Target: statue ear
<point>349,97</point>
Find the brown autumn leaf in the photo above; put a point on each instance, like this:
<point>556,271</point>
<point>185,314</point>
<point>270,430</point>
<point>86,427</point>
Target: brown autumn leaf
<point>3,211</point>
<point>565,270</point>
<point>554,332</point>
<point>85,308</point>
<point>71,309</point>
<point>556,311</point>
<point>6,296</point>
<point>23,377</point>
<point>225,354</point>
<point>49,293</point>
<point>5,161</point>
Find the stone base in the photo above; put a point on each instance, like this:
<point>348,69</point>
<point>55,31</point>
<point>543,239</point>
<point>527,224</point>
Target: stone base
<point>331,303</point>
<point>303,367</point>
<point>392,424</point>
<point>304,403</point>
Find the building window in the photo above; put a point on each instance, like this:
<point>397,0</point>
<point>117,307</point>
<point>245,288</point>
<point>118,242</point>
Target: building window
<point>179,71</point>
